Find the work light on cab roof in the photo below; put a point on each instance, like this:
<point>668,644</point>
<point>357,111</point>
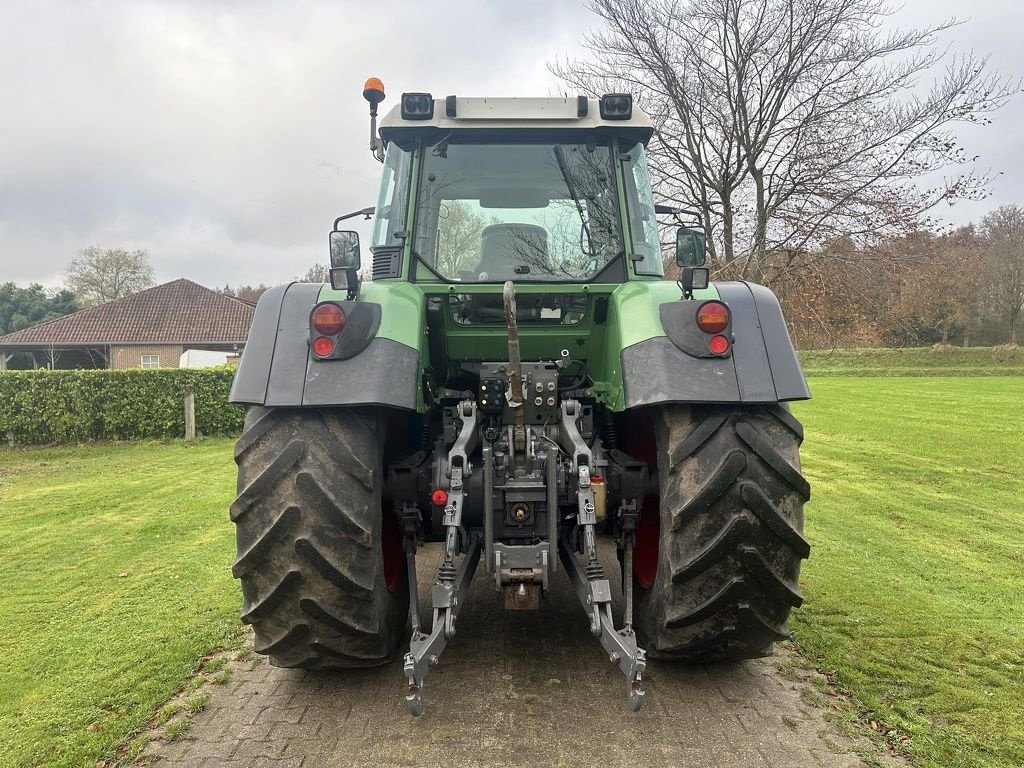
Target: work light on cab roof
<point>518,372</point>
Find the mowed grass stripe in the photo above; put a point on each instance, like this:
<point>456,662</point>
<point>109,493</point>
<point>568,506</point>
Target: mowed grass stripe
<point>115,561</point>
<point>916,579</point>
<point>913,585</point>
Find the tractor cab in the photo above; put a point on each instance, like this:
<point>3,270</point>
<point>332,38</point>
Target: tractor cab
<point>536,190</point>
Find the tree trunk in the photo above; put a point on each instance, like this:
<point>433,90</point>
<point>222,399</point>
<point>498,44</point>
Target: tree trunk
<point>760,226</point>
<point>728,235</point>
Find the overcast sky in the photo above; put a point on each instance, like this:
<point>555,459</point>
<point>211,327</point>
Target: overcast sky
<point>224,137</point>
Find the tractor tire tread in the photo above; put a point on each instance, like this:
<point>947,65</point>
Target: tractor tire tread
<point>308,527</point>
<point>278,530</point>
<point>731,510</point>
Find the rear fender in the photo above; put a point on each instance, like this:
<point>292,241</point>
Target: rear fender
<point>278,370</point>
<point>762,366</point>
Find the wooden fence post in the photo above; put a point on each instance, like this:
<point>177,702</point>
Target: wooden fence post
<point>190,417</point>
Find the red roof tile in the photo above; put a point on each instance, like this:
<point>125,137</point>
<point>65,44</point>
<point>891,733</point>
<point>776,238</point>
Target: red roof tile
<point>178,312</point>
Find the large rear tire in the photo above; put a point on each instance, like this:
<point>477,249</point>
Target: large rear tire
<point>718,553</point>
<point>323,580</point>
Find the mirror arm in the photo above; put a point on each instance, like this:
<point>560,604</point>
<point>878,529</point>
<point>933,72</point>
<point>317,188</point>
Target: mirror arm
<point>352,283</point>
<point>366,213</point>
<point>662,209</point>
<point>686,283</point>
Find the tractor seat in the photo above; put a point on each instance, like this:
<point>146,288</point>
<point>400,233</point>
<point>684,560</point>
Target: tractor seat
<point>510,251</point>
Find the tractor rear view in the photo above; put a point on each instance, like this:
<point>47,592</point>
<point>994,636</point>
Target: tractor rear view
<point>517,380</point>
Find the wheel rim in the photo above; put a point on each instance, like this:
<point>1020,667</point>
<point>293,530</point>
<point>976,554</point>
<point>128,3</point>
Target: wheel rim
<point>645,548</point>
<point>640,443</point>
<point>391,550</point>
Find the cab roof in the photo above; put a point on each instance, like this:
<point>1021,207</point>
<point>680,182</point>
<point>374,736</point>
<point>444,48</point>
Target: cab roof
<point>476,114</point>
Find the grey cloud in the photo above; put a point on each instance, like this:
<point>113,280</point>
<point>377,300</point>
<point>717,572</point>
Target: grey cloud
<point>225,137</point>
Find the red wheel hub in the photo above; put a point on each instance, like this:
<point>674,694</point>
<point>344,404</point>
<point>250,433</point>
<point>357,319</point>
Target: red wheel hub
<point>645,547</point>
<point>640,443</point>
<point>391,549</point>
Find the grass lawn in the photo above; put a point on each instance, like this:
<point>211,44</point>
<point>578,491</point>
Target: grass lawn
<point>911,361</point>
<point>115,563</point>
<point>915,584</point>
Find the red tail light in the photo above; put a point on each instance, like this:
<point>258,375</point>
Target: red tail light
<point>328,319</point>
<point>718,344</point>
<point>323,346</point>
<point>712,317</point>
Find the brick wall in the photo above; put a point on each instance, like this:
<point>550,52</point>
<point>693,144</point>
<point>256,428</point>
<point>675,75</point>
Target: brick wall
<point>131,356</point>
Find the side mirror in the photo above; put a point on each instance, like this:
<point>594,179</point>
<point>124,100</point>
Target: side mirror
<point>690,244</point>
<point>345,250</point>
<point>345,261</point>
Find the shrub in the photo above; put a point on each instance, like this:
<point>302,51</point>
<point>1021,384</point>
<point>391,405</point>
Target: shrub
<point>77,406</point>
<point>1007,354</point>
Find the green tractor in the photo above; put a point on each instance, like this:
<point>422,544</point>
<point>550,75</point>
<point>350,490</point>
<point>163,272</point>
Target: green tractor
<point>517,379</point>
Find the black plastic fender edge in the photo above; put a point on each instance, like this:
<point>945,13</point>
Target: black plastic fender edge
<point>762,368</point>
<point>277,368</point>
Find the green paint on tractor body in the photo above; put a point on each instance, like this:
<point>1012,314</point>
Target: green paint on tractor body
<point>606,317</point>
<point>632,317</point>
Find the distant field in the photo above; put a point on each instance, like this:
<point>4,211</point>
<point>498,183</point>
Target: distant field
<point>913,361</point>
<point>115,562</point>
<point>915,584</point>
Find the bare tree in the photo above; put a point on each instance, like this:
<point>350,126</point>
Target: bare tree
<point>458,237</point>
<point>843,295</point>
<point>99,274</point>
<point>1003,230</point>
<point>938,284</point>
<point>247,293</point>
<point>791,124</point>
<point>318,273</point>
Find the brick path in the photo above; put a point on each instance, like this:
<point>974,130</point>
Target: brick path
<point>512,689</point>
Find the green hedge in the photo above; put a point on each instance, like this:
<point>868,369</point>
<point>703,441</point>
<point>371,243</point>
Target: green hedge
<point>77,406</point>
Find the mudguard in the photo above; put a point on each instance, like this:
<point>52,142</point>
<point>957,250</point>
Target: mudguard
<point>762,367</point>
<point>277,369</point>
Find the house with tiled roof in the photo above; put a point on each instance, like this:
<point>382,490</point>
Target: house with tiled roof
<point>153,328</point>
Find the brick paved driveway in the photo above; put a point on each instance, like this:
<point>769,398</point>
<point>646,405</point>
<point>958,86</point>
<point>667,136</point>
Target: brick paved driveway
<point>516,689</point>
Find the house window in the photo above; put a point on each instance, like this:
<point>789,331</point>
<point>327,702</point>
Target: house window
<point>151,361</point>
